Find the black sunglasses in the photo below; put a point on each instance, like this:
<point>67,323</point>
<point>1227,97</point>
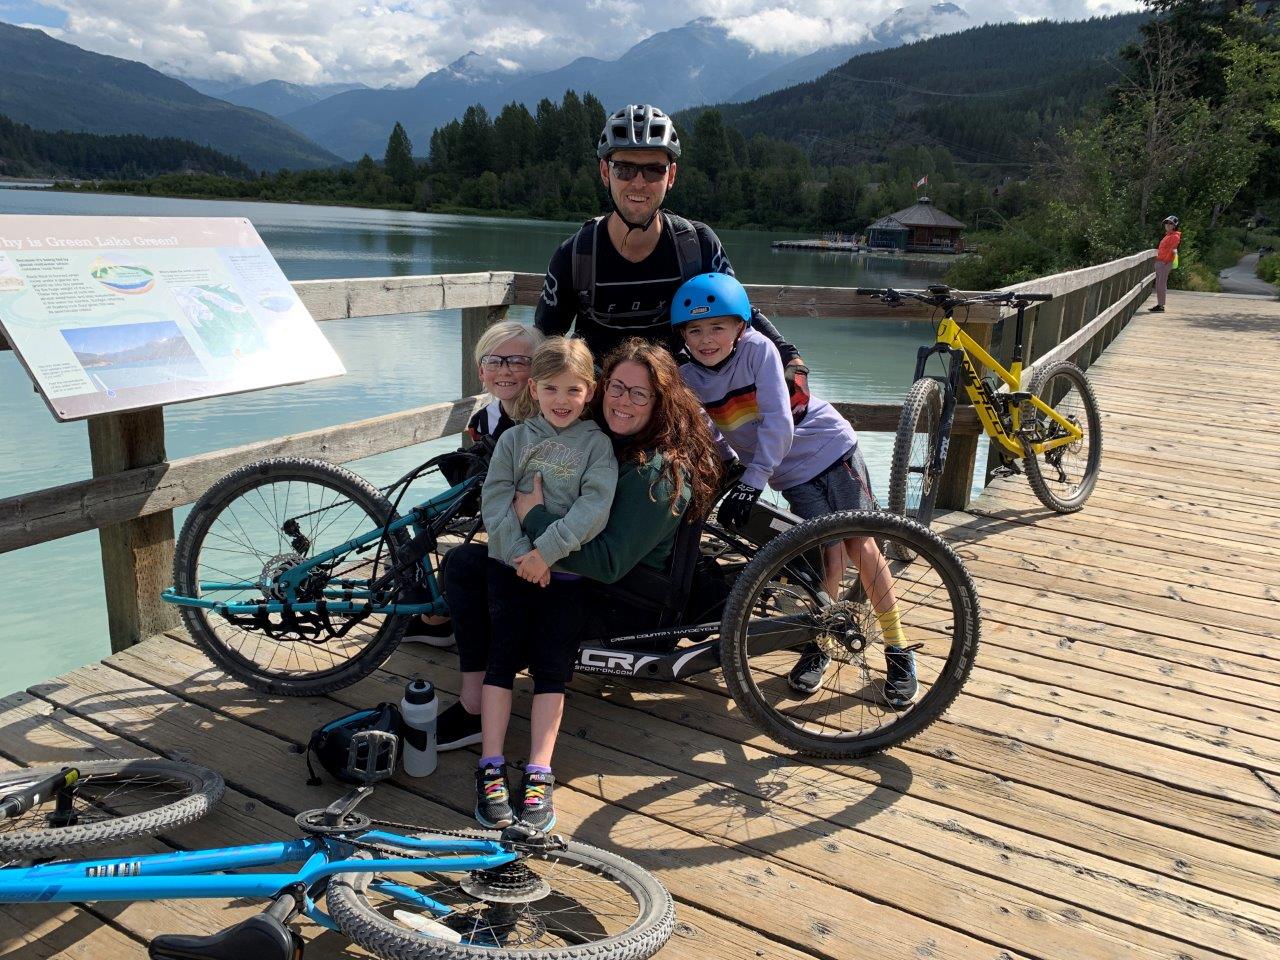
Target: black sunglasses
<point>626,172</point>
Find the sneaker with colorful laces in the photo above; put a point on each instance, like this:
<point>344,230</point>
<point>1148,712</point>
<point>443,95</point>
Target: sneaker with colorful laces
<point>493,799</point>
<point>535,805</point>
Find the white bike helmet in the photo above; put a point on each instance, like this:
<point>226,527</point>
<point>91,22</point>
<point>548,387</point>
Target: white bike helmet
<point>638,126</point>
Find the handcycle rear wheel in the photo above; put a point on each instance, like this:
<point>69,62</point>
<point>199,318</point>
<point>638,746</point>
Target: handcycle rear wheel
<point>912,489</point>
<point>113,800</point>
<point>235,536</point>
<point>778,608</point>
<point>1062,479</point>
<point>594,905</point>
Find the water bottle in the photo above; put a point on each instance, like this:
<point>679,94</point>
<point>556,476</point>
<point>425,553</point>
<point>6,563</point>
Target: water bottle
<point>418,708</point>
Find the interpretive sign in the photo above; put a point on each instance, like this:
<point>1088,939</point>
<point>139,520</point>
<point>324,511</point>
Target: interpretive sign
<point>119,313</point>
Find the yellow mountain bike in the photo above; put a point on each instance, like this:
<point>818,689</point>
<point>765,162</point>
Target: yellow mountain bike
<point>1052,428</point>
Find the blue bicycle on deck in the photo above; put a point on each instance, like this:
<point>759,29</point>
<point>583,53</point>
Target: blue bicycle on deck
<point>403,896</point>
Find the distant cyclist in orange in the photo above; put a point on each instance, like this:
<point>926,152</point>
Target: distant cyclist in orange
<point>1166,253</point>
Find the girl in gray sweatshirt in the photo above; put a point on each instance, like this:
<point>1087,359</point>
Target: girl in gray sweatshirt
<point>535,612</point>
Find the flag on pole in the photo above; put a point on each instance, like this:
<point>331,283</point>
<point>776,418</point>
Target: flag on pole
<point>923,181</point>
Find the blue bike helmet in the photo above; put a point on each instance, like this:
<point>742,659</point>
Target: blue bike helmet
<point>710,295</point>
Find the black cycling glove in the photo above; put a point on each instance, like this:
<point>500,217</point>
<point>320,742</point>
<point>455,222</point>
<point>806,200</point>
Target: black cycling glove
<point>735,509</point>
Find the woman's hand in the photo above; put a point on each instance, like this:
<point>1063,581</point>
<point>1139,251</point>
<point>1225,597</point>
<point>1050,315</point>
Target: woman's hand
<point>530,566</point>
<point>524,502</point>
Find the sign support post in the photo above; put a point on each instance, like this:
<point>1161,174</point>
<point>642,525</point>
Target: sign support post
<point>137,555</point>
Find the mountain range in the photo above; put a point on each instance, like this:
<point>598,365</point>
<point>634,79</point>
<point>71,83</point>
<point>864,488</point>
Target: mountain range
<point>698,63</point>
<point>52,85</point>
<point>1011,81</point>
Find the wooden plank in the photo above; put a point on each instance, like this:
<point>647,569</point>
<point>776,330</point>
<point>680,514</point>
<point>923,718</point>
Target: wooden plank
<point>49,931</point>
<point>786,833</point>
<point>884,417</point>
<point>785,905</point>
<point>803,301</point>
<point>137,554</point>
<point>74,507</point>
<point>384,296</point>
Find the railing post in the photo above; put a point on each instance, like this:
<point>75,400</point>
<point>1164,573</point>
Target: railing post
<point>474,322</point>
<point>137,555</point>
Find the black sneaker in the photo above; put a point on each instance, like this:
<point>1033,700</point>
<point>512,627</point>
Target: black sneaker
<point>432,634</point>
<point>493,799</point>
<point>900,684</point>
<point>1156,309</point>
<point>455,728</point>
<point>806,675</point>
<point>535,803</point>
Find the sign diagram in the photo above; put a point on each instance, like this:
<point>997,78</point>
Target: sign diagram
<point>114,313</point>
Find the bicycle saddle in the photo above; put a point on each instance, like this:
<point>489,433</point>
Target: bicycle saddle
<point>259,938</point>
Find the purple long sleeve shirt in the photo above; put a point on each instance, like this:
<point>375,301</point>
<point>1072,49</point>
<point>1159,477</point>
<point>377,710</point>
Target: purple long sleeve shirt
<point>748,403</point>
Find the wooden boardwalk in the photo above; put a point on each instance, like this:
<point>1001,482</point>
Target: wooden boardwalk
<point>1107,786</point>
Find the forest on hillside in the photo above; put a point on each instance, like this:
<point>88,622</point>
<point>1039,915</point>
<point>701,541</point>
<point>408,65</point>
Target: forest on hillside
<point>27,152</point>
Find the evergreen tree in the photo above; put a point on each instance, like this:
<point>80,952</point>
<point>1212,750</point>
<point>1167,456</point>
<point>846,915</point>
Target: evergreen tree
<point>475,142</point>
<point>709,148</point>
<point>398,161</point>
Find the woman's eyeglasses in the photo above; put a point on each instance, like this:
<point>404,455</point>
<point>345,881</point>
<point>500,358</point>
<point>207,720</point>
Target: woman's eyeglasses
<point>492,362</point>
<point>639,395</point>
<point>626,172</point>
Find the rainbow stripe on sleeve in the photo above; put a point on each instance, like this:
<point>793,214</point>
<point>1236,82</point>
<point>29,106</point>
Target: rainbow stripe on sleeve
<point>735,409</point>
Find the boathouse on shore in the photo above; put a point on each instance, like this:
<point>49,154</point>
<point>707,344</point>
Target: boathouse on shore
<point>921,228</point>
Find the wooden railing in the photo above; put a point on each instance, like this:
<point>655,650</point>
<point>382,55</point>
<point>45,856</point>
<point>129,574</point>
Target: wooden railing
<point>135,488</point>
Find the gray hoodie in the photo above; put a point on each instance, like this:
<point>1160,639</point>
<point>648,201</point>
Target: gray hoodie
<point>579,473</point>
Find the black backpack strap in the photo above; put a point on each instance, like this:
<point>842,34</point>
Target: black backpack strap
<point>583,262</point>
<point>688,246</point>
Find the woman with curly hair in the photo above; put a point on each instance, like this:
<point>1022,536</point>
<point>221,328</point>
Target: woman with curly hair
<point>668,467</point>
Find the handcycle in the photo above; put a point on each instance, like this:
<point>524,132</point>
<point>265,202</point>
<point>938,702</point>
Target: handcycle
<point>1052,428</point>
<point>518,895</point>
<point>297,577</point>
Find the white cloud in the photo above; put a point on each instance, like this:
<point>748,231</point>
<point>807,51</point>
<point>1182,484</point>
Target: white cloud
<point>398,41</point>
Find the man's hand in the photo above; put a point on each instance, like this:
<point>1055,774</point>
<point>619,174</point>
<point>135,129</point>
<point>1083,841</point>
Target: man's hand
<point>530,566</point>
<point>735,509</point>
<point>797,376</point>
<point>524,502</point>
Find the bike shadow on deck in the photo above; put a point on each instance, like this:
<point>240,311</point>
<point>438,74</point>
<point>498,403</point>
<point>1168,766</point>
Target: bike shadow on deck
<point>744,802</point>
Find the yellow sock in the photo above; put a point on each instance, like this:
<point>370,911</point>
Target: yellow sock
<point>891,627</point>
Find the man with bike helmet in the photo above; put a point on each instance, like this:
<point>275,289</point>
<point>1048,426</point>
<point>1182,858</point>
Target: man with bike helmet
<point>615,277</point>
<point>1166,257</point>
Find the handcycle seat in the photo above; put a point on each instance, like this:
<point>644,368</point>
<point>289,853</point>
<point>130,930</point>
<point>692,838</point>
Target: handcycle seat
<point>663,595</point>
<point>261,937</point>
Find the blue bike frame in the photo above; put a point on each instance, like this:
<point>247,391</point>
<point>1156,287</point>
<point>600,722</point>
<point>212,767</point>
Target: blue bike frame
<point>342,594</point>
<point>199,874</point>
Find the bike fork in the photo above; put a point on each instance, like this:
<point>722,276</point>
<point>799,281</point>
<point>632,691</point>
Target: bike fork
<point>951,388</point>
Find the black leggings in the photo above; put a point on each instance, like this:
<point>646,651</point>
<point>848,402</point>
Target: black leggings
<point>503,624</point>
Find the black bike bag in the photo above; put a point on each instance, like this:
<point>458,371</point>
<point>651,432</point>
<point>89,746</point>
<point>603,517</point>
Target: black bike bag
<point>359,748</point>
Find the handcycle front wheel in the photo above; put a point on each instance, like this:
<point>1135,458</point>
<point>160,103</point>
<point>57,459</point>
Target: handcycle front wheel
<point>1063,478</point>
<point>569,904</point>
<point>249,529</point>
<point>780,612</point>
<point>113,800</point>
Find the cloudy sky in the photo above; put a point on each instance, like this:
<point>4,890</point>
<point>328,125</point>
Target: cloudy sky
<point>381,42</point>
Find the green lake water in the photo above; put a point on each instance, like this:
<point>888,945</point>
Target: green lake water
<point>52,611</point>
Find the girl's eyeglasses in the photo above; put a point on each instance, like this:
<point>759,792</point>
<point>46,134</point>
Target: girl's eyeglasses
<point>492,362</point>
<point>639,395</point>
<point>626,172</point>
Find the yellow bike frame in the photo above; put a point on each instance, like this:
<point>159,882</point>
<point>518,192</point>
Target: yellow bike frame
<point>953,338</point>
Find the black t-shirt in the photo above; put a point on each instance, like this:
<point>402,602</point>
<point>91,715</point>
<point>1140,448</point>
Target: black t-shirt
<point>631,299</point>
